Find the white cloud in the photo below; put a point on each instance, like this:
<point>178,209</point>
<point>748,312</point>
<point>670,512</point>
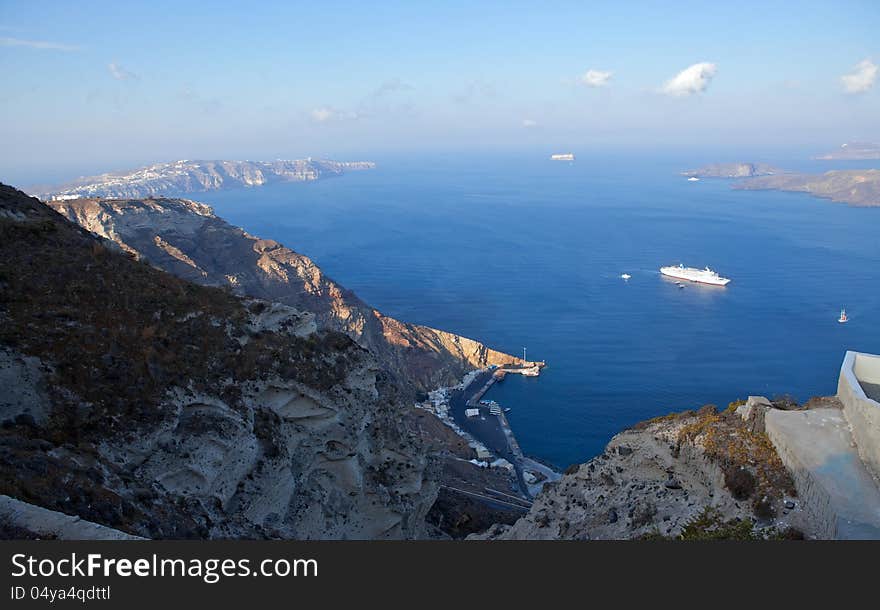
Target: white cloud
<point>326,114</point>
<point>527,123</point>
<point>120,73</point>
<point>862,77</point>
<point>693,79</point>
<point>595,78</point>
<point>5,41</point>
<point>322,115</point>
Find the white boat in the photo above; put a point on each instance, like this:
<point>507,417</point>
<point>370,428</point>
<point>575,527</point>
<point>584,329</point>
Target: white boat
<point>843,319</point>
<point>693,179</point>
<point>562,157</point>
<point>625,276</point>
<point>691,274</point>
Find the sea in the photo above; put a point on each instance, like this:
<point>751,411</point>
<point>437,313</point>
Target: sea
<point>520,252</point>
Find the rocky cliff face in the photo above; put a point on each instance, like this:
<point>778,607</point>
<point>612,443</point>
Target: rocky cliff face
<point>859,187</point>
<point>690,475</point>
<point>733,170</point>
<point>187,239</point>
<point>190,176</point>
<point>160,408</point>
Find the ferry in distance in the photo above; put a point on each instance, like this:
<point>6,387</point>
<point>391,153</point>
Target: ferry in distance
<point>702,276</point>
<point>562,157</point>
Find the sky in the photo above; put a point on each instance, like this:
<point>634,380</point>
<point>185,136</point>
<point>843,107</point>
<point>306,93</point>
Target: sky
<point>99,86</point>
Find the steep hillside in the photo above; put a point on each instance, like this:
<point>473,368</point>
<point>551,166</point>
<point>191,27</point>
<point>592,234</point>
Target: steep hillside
<point>733,170</point>
<point>859,187</point>
<point>691,475</point>
<point>191,176</point>
<point>187,239</point>
<point>149,404</point>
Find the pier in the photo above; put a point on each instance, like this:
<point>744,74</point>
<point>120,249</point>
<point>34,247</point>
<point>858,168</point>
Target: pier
<point>493,429</point>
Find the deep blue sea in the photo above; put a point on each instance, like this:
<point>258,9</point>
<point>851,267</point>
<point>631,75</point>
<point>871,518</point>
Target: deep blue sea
<point>521,251</point>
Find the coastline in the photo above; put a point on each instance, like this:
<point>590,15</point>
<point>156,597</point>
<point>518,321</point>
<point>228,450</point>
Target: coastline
<point>489,433</point>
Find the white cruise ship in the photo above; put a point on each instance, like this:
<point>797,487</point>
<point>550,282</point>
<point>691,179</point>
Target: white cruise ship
<point>703,276</point>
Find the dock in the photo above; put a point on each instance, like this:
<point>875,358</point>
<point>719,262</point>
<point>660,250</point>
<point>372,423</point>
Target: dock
<point>528,369</point>
<point>494,429</point>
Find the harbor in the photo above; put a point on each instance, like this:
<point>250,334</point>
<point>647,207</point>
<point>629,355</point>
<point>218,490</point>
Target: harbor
<point>485,425</point>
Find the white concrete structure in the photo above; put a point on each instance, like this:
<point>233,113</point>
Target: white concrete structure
<point>833,454</point>
<point>862,412</point>
<point>502,463</point>
<point>838,494</point>
<point>51,524</point>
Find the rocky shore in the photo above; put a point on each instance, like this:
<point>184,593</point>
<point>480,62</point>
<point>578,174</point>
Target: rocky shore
<point>733,170</point>
<point>856,187</point>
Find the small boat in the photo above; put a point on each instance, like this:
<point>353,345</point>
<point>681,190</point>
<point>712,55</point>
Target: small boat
<point>843,319</point>
<point>680,285</point>
<point>693,179</point>
<point>507,410</point>
<point>625,276</point>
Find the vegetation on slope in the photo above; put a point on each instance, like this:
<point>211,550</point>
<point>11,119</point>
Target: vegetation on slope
<point>117,335</point>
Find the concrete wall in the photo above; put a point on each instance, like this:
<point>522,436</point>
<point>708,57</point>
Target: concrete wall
<point>862,413</point>
<point>814,498</point>
<point>50,524</point>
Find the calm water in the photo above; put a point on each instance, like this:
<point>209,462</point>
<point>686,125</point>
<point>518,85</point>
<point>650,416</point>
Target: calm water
<point>523,252</point>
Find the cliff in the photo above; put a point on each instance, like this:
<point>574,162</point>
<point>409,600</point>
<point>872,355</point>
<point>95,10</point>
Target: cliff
<point>157,407</point>
<point>732,170</point>
<point>188,240</point>
<point>691,475</point>
<point>858,187</point>
<point>190,176</point>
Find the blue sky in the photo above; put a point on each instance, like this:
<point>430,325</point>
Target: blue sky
<point>106,85</point>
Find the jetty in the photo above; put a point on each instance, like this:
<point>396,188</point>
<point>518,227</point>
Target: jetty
<point>493,429</point>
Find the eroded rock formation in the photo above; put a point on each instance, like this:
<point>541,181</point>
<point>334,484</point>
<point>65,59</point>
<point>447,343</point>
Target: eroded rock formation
<point>161,408</point>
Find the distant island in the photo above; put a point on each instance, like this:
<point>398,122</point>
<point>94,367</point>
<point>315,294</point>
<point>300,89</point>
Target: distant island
<point>732,170</point>
<point>187,176</point>
<point>858,187</point>
<point>852,151</point>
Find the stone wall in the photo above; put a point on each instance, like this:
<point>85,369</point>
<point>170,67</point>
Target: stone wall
<point>862,413</point>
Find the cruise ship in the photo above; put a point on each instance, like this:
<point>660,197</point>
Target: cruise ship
<point>703,276</point>
<point>562,157</point>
